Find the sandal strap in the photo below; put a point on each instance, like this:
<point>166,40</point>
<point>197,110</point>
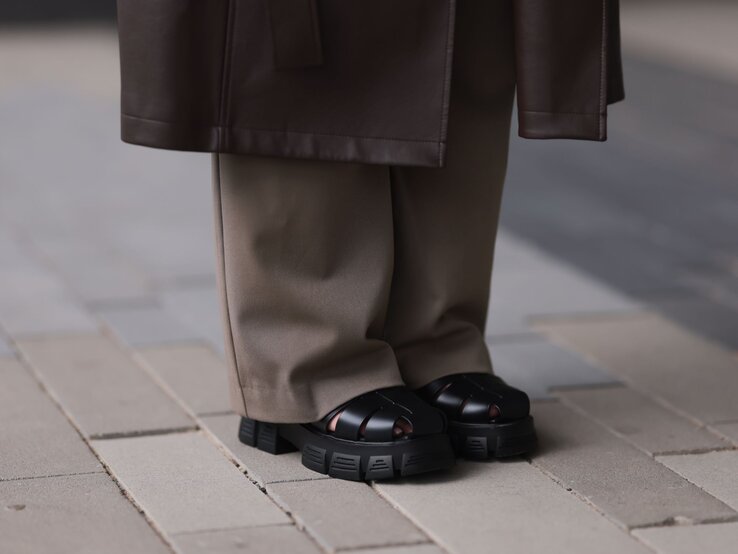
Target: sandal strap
<point>470,396</point>
<point>378,411</point>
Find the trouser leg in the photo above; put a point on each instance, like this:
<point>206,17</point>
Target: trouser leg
<point>446,218</point>
<point>305,259</point>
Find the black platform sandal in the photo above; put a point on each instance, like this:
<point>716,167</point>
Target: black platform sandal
<point>467,398</point>
<point>364,446</point>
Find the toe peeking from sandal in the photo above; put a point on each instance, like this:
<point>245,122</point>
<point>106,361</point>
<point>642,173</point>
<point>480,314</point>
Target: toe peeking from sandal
<point>487,417</point>
<point>359,439</point>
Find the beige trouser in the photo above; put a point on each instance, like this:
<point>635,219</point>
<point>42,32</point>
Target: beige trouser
<point>339,278</point>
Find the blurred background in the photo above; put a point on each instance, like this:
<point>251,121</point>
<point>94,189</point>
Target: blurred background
<point>653,212</point>
<point>640,232</point>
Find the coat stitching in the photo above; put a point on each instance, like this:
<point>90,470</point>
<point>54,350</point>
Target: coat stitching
<point>446,77</point>
<point>603,64</point>
<point>225,128</point>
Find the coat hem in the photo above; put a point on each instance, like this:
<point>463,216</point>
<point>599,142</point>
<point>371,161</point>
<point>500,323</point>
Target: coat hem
<point>290,144</point>
<point>553,125</point>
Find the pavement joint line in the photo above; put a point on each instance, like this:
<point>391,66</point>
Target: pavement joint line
<point>578,495</point>
<point>217,413</point>
<point>141,362</point>
<point>52,476</point>
<point>665,522</point>
<point>88,442</point>
<point>576,408</point>
<point>630,383</point>
<point>305,529</point>
<point>32,252</point>
<point>206,432</point>
<point>685,522</point>
<point>384,546</point>
<point>219,529</point>
<point>152,522</point>
<point>147,433</point>
<point>101,305</point>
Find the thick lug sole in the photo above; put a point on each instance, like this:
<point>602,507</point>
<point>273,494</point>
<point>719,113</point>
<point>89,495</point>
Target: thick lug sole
<point>480,441</point>
<point>350,460</point>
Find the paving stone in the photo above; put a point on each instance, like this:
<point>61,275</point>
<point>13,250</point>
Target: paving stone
<point>622,481</point>
<point>185,484</point>
<point>694,375</point>
<point>261,467</point>
<point>708,318</point>
<point>409,549</point>
<point>199,308</point>
<point>727,430</point>
<point>539,366</point>
<point>32,302</point>
<point>716,472</point>
<point>72,514</point>
<point>505,507</point>
<point>348,514</point>
<point>715,538</point>
<point>194,372</point>
<point>254,540</point>
<point>171,250</point>
<point>141,326</point>
<point>37,438</point>
<point>641,421</point>
<point>46,316</point>
<point>94,270</point>
<point>101,388</point>
<point>540,285</point>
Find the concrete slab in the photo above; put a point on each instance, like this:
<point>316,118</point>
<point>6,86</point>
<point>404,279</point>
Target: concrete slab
<point>254,540</point>
<point>716,538</point>
<point>540,285</point>
<point>93,269</point>
<point>101,388</point>
<point>505,507</point>
<point>727,430</point>
<point>695,376</point>
<point>32,302</point>
<point>141,326</point>
<point>622,481</point>
<point>410,549</point>
<point>641,421</point>
<point>195,374</point>
<point>537,367</point>
<point>348,515</point>
<point>185,484</point>
<point>714,320</point>
<point>199,308</point>
<point>72,514</point>
<point>37,438</point>
<point>260,466</point>
<point>715,472</point>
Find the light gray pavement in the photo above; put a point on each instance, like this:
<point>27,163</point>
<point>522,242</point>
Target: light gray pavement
<point>614,303</point>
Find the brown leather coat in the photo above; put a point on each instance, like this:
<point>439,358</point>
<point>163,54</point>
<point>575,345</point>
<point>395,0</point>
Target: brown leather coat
<point>348,80</point>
